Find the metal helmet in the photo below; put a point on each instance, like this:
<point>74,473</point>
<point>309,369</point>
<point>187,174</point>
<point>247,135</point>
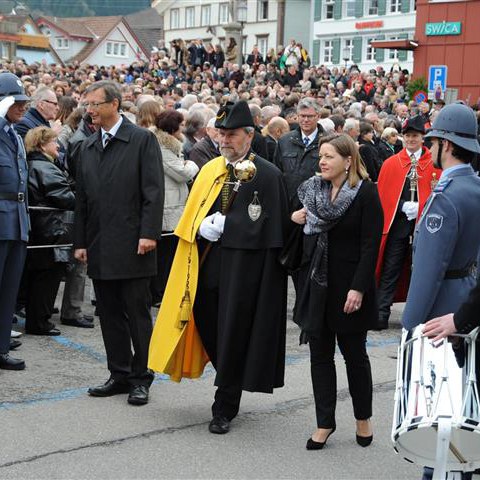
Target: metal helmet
<point>458,124</point>
<point>11,86</point>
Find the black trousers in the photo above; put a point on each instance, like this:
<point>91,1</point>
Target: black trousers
<point>324,376</point>
<point>12,259</point>
<point>124,310</point>
<point>227,398</point>
<point>41,289</point>
<point>166,247</point>
<point>396,251</point>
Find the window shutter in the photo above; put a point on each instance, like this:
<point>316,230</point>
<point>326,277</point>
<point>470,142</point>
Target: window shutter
<point>382,7</point>
<point>359,8</point>
<point>317,10</point>
<point>380,52</point>
<point>316,52</point>
<point>336,51</point>
<point>405,5</point>
<point>357,50</point>
<point>402,54</point>
<point>337,10</point>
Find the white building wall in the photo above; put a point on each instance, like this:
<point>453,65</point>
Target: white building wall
<point>253,28</point>
<point>395,25</point>
<point>119,35</point>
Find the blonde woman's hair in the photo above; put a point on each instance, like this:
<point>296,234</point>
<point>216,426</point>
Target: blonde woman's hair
<point>148,113</point>
<point>37,137</point>
<point>388,132</point>
<point>346,147</point>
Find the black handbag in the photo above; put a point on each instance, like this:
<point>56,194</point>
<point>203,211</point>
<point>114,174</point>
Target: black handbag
<point>292,252</point>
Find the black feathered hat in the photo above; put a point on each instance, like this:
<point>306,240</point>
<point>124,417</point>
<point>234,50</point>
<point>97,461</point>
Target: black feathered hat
<point>234,115</point>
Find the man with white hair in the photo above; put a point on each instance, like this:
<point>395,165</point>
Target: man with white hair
<point>327,125</point>
<point>188,100</point>
<point>276,128</point>
<point>207,148</point>
<point>352,128</point>
<point>44,109</point>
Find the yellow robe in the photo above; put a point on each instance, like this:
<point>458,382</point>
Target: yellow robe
<point>176,350</point>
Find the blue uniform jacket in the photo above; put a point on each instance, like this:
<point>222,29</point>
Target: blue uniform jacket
<point>447,238</point>
<point>14,224</point>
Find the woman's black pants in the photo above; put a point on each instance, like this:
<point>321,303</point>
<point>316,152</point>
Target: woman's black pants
<point>324,376</point>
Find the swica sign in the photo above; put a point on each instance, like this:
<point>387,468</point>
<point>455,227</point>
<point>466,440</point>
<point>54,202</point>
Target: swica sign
<point>443,28</point>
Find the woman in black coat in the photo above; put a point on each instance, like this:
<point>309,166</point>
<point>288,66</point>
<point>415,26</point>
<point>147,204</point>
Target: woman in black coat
<point>47,187</point>
<point>368,151</point>
<point>386,147</point>
<point>343,221</point>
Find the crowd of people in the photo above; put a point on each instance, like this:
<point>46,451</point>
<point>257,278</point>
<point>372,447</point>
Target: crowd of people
<point>118,162</point>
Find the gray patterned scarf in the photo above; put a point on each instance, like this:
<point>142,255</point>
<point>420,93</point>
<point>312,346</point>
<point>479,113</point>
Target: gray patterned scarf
<point>322,216</point>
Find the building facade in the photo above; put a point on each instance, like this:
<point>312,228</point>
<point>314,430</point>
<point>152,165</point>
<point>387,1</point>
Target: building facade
<point>448,34</point>
<point>205,19</point>
<point>343,30</point>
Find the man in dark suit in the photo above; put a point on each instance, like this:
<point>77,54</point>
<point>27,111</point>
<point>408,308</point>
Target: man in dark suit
<point>13,209</point>
<point>118,216</point>
<point>207,148</point>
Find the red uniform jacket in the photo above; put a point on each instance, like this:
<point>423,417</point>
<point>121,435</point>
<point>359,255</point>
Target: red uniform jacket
<point>390,185</point>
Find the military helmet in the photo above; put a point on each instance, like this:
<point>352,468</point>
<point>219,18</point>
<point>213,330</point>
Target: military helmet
<point>11,86</point>
<point>458,124</point>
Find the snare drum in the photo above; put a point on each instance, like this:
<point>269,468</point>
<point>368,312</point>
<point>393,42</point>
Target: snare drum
<point>437,384</point>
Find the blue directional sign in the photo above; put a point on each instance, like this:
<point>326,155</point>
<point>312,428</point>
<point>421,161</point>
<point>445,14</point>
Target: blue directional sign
<point>437,77</point>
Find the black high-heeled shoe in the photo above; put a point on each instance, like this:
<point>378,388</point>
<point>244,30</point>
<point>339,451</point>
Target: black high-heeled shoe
<point>313,445</point>
<point>364,441</point>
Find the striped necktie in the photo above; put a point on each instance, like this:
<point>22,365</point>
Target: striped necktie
<point>227,187</point>
<point>107,137</point>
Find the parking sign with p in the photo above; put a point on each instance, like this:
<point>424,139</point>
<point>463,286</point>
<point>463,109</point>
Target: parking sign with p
<point>437,81</point>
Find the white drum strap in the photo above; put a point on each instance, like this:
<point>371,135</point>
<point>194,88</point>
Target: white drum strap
<point>443,444</point>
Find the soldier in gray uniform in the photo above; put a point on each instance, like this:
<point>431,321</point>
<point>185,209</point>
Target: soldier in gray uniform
<point>13,209</point>
<point>447,237</point>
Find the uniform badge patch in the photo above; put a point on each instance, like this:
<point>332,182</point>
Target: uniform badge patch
<point>434,222</point>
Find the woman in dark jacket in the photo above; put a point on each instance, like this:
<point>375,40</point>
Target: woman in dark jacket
<point>386,147</point>
<point>368,151</point>
<point>343,221</point>
<point>47,187</point>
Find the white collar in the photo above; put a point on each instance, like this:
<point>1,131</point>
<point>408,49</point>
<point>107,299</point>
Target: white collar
<point>310,137</point>
<point>417,154</point>
<point>114,129</point>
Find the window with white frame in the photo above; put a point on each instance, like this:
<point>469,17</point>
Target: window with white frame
<point>223,13</point>
<point>262,44</point>
<point>328,9</point>
<point>327,51</point>
<point>206,15</point>
<point>393,52</point>
<point>174,18</point>
<point>349,9</point>
<point>116,49</point>
<point>370,55</point>
<point>349,45</point>
<point>395,6</point>
<point>190,17</point>
<point>262,9</point>
<point>372,7</point>
<point>61,43</point>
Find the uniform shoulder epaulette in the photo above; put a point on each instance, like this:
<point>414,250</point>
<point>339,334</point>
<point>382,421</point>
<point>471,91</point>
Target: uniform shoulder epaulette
<point>442,185</point>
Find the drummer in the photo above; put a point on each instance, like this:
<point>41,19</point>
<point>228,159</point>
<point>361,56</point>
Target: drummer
<point>447,237</point>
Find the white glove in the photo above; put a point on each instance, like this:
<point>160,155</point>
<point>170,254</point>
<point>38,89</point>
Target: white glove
<point>410,209</point>
<point>208,230</point>
<point>219,221</point>
<point>5,105</point>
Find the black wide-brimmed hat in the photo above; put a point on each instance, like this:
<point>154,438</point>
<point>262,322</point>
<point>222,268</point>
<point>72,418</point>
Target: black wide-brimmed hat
<point>416,123</point>
<point>234,115</point>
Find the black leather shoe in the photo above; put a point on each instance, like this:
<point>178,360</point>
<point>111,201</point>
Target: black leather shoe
<point>9,363</point>
<point>14,344</point>
<point>110,388</point>
<point>53,332</point>
<point>77,322</point>
<point>138,395</point>
<point>219,425</point>
<point>313,445</point>
<point>88,318</point>
<point>364,441</point>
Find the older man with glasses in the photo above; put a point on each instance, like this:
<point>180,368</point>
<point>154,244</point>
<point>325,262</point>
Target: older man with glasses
<point>43,111</point>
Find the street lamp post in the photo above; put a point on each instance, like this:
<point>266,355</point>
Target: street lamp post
<point>346,55</point>
<point>238,13</point>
